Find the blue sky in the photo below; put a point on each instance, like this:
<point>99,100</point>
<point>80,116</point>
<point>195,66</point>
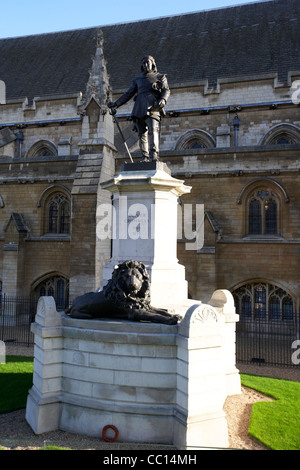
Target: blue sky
<point>26,17</point>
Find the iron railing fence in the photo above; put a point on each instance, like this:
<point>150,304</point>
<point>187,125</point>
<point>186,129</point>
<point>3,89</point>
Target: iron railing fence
<point>265,341</point>
<point>259,341</point>
<point>16,316</point>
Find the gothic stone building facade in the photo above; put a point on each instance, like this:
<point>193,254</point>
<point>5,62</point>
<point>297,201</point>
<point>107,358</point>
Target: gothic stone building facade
<point>232,132</point>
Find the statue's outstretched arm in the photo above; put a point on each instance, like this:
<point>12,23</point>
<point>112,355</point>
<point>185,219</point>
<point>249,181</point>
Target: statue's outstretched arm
<point>125,97</point>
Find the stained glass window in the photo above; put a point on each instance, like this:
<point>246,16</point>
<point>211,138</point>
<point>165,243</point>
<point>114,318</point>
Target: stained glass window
<point>57,287</point>
<point>262,300</point>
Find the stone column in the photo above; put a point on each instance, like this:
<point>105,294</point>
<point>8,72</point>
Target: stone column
<point>145,198</point>
<point>201,383</point>
<point>222,300</point>
<point>43,403</point>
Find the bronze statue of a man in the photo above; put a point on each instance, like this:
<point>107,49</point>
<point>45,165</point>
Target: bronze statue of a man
<point>152,92</point>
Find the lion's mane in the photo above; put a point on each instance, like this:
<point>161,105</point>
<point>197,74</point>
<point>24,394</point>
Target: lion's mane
<point>114,289</point>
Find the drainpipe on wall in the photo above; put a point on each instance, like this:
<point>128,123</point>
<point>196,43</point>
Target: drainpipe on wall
<point>20,139</point>
<point>236,125</point>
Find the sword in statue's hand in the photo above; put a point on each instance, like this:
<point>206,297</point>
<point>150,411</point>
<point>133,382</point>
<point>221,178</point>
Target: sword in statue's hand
<point>113,112</point>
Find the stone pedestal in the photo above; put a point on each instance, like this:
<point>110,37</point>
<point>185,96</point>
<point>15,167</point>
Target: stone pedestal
<point>145,198</point>
<point>156,383</point>
<point>43,402</point>
<point>223,302</point>
<point>201,380</point>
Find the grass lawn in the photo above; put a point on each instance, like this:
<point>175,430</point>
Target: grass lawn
<point>276,423</point>
<point>15,381</point>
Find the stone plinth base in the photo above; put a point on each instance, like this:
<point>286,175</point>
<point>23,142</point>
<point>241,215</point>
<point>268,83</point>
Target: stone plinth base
<point>156,383</point>
<point>144,215</point>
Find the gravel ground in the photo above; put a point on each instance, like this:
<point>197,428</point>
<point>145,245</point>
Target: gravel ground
<point>16,434</point>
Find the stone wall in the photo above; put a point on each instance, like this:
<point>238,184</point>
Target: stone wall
<point>23,191</point>
<point>230,256</point>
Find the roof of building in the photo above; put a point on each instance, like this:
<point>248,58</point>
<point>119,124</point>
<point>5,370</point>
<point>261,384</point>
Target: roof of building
<point>19,222</point>
<point>6,137</point>
<point>241,41</point>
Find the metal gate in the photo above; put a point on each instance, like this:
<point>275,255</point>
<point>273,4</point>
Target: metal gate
<point>16,316</point>
<point>269,342</point>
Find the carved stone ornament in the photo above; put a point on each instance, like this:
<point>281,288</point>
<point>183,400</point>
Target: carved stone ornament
<point>205,314</point>
<point>47,315</point>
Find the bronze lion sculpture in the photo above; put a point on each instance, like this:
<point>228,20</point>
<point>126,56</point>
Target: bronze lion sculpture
<point>126,296</point>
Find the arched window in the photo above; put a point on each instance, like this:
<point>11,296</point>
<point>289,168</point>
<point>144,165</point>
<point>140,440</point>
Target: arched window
<point>282,139</point>
<point>282,134</point>
<point>57,287</point>
<point>57,212</point>
<point>262,300</point>
<point>263,213</point>
<point>45,152</point>
<point>195,144</point>
<point>195,138</point>
<point>55,204</point>
<point>42,148</point>
<point>263,200</point>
